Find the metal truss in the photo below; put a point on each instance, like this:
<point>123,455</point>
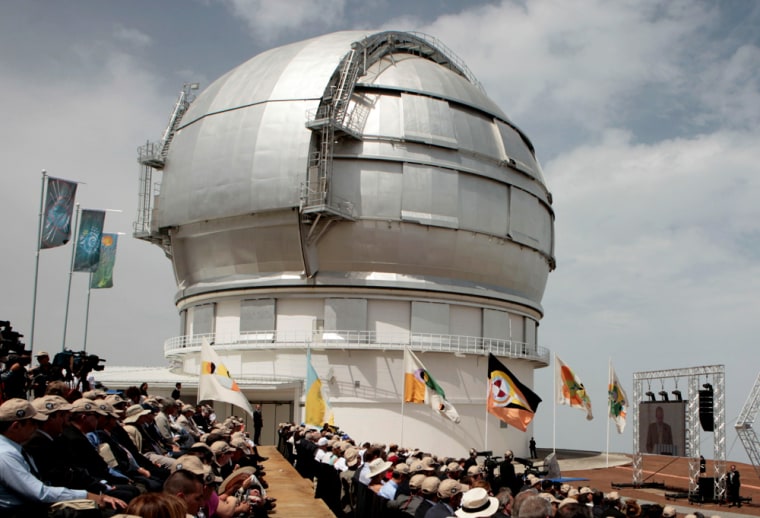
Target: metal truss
<point>744,426</point>
<point>694,376</point>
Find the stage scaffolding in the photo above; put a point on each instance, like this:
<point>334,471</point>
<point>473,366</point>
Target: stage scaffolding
<point>695,376</point>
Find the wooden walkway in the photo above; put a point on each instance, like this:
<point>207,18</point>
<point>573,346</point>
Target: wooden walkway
<point>294,494</point>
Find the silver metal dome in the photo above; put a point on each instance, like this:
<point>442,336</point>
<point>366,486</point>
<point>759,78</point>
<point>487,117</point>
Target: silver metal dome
<point>355,159</point>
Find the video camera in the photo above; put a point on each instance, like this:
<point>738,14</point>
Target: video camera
<point>77,364</point>
<point>11,346</point>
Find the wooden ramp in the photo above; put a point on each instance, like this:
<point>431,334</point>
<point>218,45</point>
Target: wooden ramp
<point>294,494</point>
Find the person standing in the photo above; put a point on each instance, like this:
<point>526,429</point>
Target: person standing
<point>733,487</point>
<point>176,393</point>
<point>532,447</point>
<point>258,424</point>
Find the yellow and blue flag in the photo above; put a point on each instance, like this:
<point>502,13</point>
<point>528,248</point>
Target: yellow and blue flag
<point>315,407</point>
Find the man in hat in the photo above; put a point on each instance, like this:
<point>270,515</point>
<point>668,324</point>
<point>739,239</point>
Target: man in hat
<point>186,424</point>
<point>408,504</point>
<point>669,512</point>
<point>429,492</point>
<point>42,449</point>
<point>507,476</point>
<point>76,450</point>
<point>399,473</point>
<point>21,492</point>
<point>43,373</point>
<point>449,496</point>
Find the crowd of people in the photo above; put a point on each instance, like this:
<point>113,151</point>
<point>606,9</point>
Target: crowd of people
<point>125,454</point>
<point>364,480</point>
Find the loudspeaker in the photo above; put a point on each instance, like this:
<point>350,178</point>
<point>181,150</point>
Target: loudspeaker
<point>706,419</point>
<point>706,489</point>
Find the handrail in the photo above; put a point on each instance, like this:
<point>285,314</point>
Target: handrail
<point>365,340</point>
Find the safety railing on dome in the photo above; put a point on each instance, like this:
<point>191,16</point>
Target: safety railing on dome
<point>366,340</point>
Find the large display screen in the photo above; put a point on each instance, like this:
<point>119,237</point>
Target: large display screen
<point>662,428</point>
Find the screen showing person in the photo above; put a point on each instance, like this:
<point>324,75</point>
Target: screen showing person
<point>662,429</point>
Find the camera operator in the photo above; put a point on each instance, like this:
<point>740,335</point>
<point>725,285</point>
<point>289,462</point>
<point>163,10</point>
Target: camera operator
<point>43,374</point>
<point>14,378</point>
<point>507,476</point>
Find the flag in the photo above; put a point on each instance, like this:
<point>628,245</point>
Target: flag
<point>570,389</point>
<point>421,387</point>
<point>88,240</point>
<point>59,205</point>
<point>215,382</point>
<point>102,277</point>
<point>508,399</point>
<point>315,407</point>
<point>618,402</point>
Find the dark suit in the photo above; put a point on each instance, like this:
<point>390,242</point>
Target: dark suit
<point>52,468</point>
<point>77,451</point>
<point>660,438</point>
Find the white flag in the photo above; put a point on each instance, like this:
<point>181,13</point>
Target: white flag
<point>215,382</point>
<point>421,387</point>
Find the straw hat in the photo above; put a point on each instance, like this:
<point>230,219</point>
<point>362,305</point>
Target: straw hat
<point>477,503</point>
<point>378,466</point>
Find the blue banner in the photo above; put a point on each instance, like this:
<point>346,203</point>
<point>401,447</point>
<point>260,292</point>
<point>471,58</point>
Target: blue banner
<point>88,240</point>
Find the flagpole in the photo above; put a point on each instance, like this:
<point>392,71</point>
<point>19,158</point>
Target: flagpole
<point>87,313</point>
<point>488,388</point>
<point>403,395</point>
<point>554,408</point>
<point>37,259</point>
<point>609,402</point>
<point>71,274</point>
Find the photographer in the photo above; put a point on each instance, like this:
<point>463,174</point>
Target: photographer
<point>44,373</point>
<point>14,379</point>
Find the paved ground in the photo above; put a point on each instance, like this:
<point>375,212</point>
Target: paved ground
<point>616,473</point>
<point>295,495</point>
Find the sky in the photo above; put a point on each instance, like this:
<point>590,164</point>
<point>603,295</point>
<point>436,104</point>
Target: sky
<point>645,117</point>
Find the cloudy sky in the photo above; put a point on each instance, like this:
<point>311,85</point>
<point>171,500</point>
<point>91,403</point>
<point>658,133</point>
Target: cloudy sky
<point>645,116</point>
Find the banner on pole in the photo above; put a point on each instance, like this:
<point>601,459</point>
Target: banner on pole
<point>102,277</point>
<point>88,240</point>
<point>59,206</point>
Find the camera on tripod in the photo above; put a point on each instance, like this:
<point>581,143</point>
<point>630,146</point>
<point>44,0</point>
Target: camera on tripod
<point>77,364</point>
<point>12,349</point>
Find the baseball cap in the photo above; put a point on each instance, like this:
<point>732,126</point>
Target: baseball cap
<point>17,409</point>
<point>194,465</point>
<point>87,405</point>
<point>49,404</point>
<point>430,485</point>
<point>669,511</point>
<point>451,487</point>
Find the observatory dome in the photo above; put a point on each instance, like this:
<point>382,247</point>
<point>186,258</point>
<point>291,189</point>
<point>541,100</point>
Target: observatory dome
<point>423,182</point>
<point>347,199</point>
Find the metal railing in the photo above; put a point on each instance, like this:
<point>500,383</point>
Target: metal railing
<point>365,340</point>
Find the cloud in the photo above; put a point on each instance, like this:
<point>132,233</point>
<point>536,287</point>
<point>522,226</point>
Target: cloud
<point>267,20</point>
<point>131,36</point>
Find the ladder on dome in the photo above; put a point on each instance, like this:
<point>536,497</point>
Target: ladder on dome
<point>331,120</point>
<point>320,207</point>
<point>152,157</point>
